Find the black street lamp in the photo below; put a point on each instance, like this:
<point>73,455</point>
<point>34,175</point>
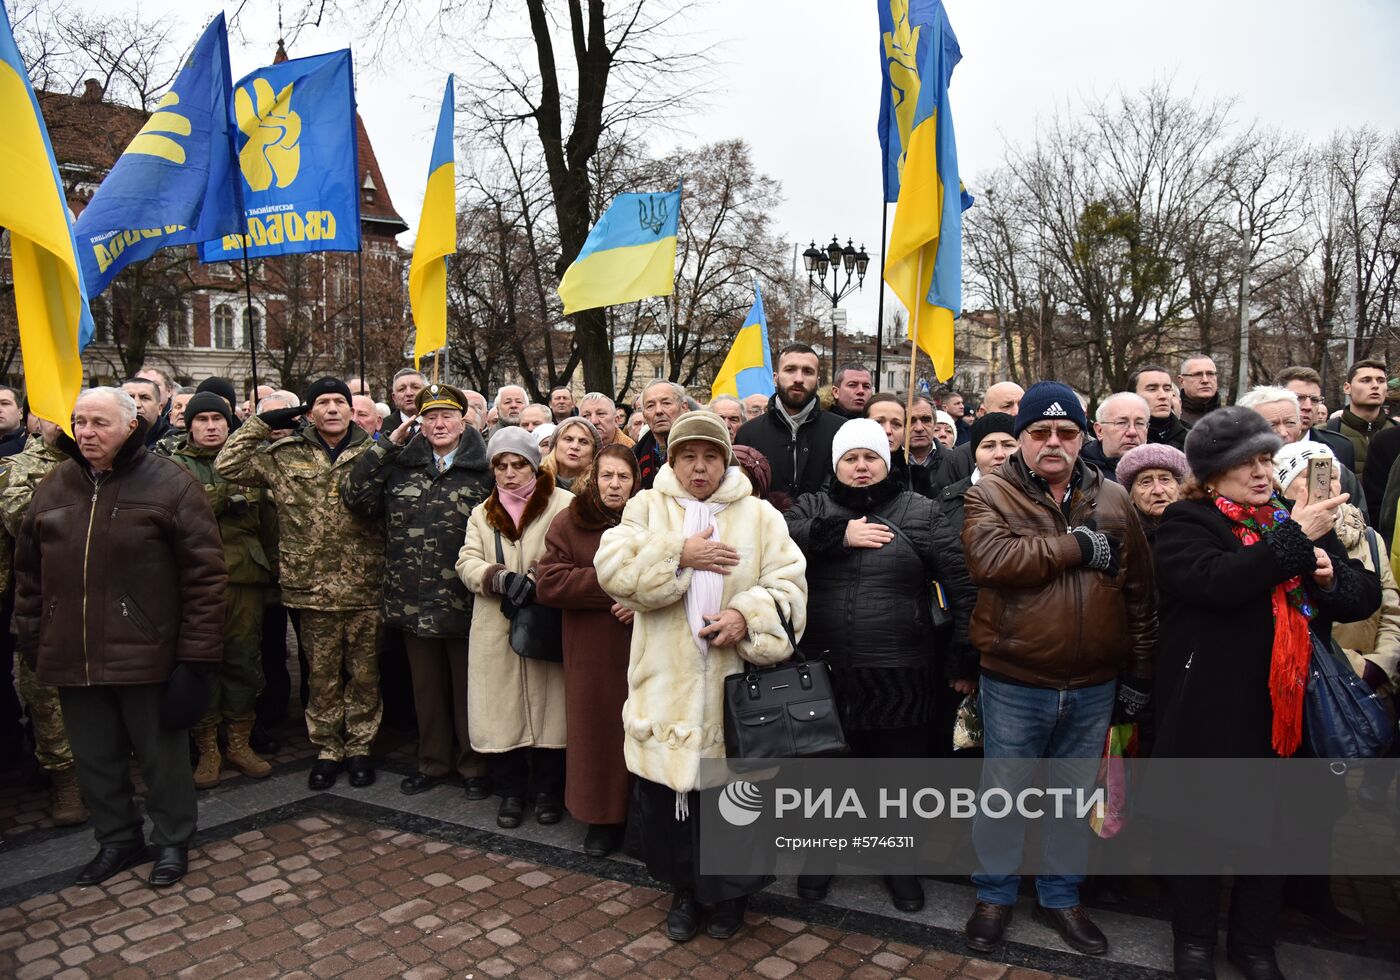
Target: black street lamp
<point>833,259</point>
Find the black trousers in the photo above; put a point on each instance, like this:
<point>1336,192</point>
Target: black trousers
<point>1255,904</point>
<point>538,772</point>
<point>277,679</point>
<point>104,725</point>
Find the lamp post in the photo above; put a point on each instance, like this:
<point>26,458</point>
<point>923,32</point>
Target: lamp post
<point>833,259</point>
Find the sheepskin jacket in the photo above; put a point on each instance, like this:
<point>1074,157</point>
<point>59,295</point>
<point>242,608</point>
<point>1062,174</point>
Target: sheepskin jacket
<point>674,714</point>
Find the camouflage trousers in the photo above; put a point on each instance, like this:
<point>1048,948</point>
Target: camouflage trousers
<point>344,710</point>
<point>51,745</point>
<point>240,676</point>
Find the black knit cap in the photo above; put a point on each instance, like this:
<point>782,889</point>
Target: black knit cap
<point>327,386</point>
<point>207,401</point>
<point>222,387</point>
<point>988,424</point>
<point>1226,438</point>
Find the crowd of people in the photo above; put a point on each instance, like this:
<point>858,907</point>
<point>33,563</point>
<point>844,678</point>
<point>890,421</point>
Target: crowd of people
<point>568,583</point>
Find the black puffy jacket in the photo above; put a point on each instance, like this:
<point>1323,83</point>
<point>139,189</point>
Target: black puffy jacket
<point>869,607</point>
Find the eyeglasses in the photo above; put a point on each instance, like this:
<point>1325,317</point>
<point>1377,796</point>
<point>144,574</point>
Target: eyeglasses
<point>1309,399</point>
<point>1041,431</point>
<point>1201,375</point>
<point>1126,424</point>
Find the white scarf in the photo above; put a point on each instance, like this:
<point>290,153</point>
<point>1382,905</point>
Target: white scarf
<point>706,589</point>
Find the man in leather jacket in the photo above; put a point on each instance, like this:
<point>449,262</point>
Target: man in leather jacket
<point>1066,604</point>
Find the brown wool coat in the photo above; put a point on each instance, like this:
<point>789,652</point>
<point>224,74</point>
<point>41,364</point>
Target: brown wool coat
<point>512,702</point>
<point>596,650</point>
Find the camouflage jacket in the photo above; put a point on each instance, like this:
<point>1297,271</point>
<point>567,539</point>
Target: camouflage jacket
<point>427,515</point>
<point>244,516</point>
<point>329,558</point>
<point>171,443</point>
<point>19,476</point>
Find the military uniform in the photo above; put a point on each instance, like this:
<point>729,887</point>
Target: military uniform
<point>241,514</point>
<point>331,568</point>
<point>426,507</point>
<point>22,473</point>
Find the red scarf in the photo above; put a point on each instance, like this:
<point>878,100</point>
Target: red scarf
<point>1288,664</point>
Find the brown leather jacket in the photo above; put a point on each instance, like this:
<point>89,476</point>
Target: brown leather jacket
<point>117,578</point>
<point>1041,618</point>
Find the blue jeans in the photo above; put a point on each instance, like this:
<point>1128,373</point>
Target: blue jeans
<point>1021,725</point>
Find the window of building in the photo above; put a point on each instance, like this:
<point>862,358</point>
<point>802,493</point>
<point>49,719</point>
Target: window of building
<point>252,326</point>
<point>223,327</point>
<point>177,329</point>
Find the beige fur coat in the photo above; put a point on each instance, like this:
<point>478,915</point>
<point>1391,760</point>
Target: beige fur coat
<point>674,714</point>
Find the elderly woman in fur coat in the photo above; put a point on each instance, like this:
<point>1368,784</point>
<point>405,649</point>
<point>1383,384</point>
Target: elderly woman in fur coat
<point>515,705</point>
<point>706,565</point>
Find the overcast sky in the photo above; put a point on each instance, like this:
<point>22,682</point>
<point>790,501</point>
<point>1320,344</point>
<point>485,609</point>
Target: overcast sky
<point>799,80</point>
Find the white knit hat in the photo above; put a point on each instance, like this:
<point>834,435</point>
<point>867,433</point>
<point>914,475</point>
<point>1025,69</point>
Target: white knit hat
<point>860,434</point>
<point>1293,458</point>
<point>543,431</point>
<point>944,418</point>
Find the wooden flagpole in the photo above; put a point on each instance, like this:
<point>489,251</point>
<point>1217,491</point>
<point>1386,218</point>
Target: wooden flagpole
<point>913,352</point>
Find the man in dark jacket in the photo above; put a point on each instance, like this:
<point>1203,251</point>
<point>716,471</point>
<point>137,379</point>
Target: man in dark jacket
<point>794,433</point>
<point>1120,424</point>
<point>1364,417</point>
<point>13,432</point>
<point>662,403</point>
<point>129,641</point>
<point>1066,602</point>
<point>1200,388</point>
<point>850,391</point>
<point>426,485</point>
<point>146,394</point>
<point>1307,385</point>
<point>1154,384</point>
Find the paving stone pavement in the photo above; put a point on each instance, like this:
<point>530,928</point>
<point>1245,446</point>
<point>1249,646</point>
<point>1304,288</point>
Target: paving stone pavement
<point>331,896</point>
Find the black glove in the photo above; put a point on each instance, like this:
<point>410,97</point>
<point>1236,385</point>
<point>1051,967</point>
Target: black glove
<point>1134,695</point>
<point>186,695</point>
<point>284,418</point>
<point>1099,550</point>
<point>517,591</point>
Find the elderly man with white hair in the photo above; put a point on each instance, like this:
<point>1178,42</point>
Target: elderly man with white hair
<point>1280,409</point>
<point>1120,424</point>
<point>601,410</point>
<point>510,402</point>
<point>131,641</point>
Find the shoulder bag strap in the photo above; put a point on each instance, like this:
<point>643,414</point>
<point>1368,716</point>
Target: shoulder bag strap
<point>787,628</point>
<point>1375,550</point>
<point>500,552</point>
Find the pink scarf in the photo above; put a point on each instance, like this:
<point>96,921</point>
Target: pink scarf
<point>514,502</point>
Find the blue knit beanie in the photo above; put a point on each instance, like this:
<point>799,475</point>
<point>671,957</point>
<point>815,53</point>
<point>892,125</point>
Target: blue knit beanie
<point>1050,400</point>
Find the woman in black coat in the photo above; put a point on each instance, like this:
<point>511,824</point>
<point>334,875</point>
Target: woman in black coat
<point>869,611</point>
<point>1223,554</point>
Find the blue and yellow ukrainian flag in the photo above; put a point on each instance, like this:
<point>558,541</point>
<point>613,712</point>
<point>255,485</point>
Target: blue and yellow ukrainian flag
<point>175,183</point>
<point>923,260</point>
<point>50,301</point>
<point>630,254</point>
<point>748,367</point>
<point>437,239</point>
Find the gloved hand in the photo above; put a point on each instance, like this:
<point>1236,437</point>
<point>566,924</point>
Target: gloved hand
<point>1134,695</point>
<point>1099,550</point>
<point>284,418</point>
<point>516,591</point>
<point>186,694</point>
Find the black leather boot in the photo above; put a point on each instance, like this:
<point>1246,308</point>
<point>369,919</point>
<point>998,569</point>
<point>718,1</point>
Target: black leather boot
<point>683,921</point>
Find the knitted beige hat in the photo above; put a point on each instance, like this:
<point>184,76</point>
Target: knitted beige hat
<point>703,426</point>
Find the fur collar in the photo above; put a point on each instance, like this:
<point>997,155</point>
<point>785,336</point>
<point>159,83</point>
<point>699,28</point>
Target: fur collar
<point>498,518</point>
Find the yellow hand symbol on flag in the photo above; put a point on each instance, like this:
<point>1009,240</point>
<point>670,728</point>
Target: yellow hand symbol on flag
<point>274,135</point>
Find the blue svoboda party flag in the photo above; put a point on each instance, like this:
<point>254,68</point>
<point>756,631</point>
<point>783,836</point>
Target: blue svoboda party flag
<point>923,260</point>
<point>630,254</point>
<point>298,159</point>
<point>50,302</point>
<point>748,367</point>
<point>173,185</point>
<point>437,239</point>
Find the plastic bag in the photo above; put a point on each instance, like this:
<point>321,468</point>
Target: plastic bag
<point>967,728</point>
<point>1120,743</point>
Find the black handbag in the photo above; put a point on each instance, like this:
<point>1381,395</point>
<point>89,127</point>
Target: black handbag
<point>536,631</point>
<point>1342,717</point>
<point>939,612</point>
<point>787,711</point>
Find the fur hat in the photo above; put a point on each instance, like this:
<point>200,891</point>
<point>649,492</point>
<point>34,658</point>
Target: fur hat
<point>207,401</point>
<point>860,434</point>
<point>326,386</point>
<point>1293,458</point>
<point>704,426</point>
<point>1050,400</point>
<point>514,439</point>
<point>1227,437</point>
<point>1152,456</point>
